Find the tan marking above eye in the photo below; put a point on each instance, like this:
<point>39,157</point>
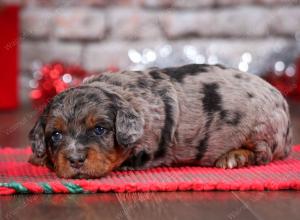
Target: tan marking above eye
<point>56,124</point>
<point>90,121</point>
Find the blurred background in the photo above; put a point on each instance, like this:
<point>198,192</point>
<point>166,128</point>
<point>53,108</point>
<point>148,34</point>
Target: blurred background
<point>97,35</point>
<point>49,45</point>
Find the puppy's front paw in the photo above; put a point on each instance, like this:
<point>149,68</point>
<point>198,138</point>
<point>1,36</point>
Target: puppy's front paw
<point>236,158</point>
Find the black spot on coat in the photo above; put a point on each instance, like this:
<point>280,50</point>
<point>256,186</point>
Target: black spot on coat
<point>221,66</point>
<point>155,74</point>
<point>178,73</point>
<point>212,100</point>
<point>212,103</point>
<point>231,117</point>
<point>250,95</point>
<point>238,76</point>
<point>166,133</point>
<point>202,147</point>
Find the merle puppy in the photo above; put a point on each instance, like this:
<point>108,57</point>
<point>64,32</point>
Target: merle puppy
<point>190,115</point>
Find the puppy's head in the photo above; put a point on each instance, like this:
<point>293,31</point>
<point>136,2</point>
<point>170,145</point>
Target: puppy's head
<point>85,132</point>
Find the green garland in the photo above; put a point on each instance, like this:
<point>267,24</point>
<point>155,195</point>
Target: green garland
<point>71,187</point>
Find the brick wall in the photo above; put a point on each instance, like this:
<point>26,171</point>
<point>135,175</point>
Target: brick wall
<point>135,33</point>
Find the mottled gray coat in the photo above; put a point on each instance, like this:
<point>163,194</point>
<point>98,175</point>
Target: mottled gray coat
<point>194,114</point>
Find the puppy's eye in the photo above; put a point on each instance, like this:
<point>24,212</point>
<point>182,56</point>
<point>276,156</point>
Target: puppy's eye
<point>99,130</point>
<point>56,136</point>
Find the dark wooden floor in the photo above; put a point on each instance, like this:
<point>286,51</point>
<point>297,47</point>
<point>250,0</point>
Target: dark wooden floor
<point>14,127</point>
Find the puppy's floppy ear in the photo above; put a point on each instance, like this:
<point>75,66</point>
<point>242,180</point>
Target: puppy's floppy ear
<point>129,123</point>
<point>37,139</point>
<point>129,126</point>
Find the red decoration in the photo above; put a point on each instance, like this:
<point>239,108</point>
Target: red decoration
<point>9,51</point>
<point>27,177</point>
<point>296,92</point>
<point>287,81</point>
<point>53,78</point>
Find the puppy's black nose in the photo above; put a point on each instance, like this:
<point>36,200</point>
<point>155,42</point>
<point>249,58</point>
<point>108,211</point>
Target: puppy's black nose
<point>76,161</point>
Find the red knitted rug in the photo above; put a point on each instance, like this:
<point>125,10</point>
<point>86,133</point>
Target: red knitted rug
<point>18,176</point>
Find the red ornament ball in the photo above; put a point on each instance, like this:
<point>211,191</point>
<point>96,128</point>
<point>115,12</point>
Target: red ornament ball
<point>287,82</point>
<point>54,78</point>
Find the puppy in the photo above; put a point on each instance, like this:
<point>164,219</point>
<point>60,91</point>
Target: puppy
<point>198,115</point>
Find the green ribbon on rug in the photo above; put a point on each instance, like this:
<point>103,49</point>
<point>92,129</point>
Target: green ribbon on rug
<point>16,186</point>
<point>47,188</point>
<point>72,188</point>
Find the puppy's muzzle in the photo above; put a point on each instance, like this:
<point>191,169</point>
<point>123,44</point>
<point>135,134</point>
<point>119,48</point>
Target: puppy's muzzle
<point>76,160</point>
